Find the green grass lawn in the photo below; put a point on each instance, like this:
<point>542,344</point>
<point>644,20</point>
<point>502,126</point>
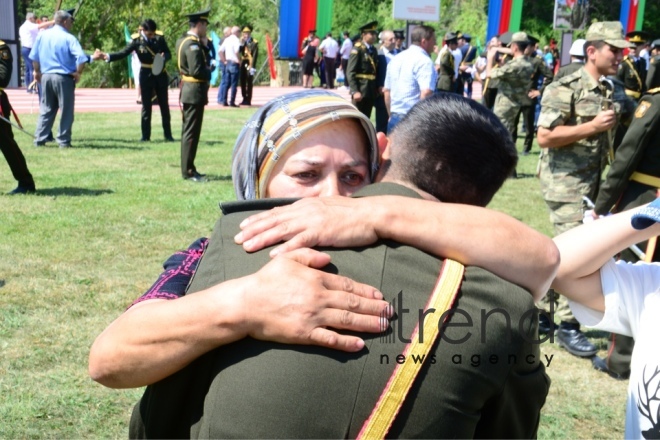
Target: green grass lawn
<point>107,214</point>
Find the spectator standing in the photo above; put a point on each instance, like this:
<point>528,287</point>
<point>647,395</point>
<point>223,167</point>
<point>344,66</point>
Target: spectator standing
<point>400,39</point>
<point>445,64</point>
<point>222,90</point>
<point>58,61</point>
<point>229,53</point>
<point>385,55</point>
<point>573,131</point>
<point>309,60</point>
<point>466,68</point>
<point>458,58</point>
<point>329,48</point>
<point>345,52</point>
<point>8,145</point>
<point>489,86</point>
<point>577,59</point>
<point>28,33</point>
<point>411,76</point>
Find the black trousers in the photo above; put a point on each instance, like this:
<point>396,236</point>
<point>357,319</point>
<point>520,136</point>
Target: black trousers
<point>488,97</point>
<point>364,106</point>
<point>193,115</point>
<point>330,72</point>
<point>10,149</point>
<point>344,65</point>
<point>246,83</point>
<point>381,114</point>
<point>527,112</point>
<point>157,85</point>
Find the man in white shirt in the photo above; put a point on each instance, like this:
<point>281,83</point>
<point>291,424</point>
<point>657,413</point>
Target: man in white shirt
<point>228,52</point>
<point>345,52</point>
<point>410,76</point>
<point>28,33</point>
<point>329,48</point>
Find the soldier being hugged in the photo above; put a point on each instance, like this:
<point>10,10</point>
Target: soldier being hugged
<point>362,68</point>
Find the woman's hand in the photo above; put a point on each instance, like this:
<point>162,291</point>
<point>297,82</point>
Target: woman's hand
<point>327,221</point>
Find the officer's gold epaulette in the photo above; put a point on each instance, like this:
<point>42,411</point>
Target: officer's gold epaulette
<point>358,44</point>
<point>2,43</point>
<point>159,33</point>
<point>135,35</point>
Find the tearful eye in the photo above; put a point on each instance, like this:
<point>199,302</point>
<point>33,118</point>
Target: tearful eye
<point>353,178</point>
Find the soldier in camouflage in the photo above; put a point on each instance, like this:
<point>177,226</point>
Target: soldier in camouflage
<point>514,82</point>
<point>578,116</point>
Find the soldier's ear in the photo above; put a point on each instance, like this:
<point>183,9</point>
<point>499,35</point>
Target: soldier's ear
<point>383,146</point>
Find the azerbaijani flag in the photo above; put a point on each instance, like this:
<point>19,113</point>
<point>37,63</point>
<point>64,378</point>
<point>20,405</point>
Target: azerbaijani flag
<point>632,14</point>
<point>297,18</point>
<point>503,16</point>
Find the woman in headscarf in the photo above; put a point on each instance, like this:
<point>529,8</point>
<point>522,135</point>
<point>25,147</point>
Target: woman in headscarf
<point>306,144</point>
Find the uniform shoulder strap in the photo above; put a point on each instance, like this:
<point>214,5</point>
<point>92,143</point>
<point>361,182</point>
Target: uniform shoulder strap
<point>178,55</point>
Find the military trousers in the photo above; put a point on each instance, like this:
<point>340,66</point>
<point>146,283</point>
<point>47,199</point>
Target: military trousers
<point>193,115</point>
<point>381,115</point>
<point>246,83</point>
<point>157,85</point>
<point>488,97</point>
<point>365,105</point>
<point>10,149</point>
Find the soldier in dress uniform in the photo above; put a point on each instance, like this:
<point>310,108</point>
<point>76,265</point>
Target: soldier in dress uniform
<point>467,63</point>
<point>633,180</point>
<point>399,41</point>
<point>632,70</point>
<point>192,54</point>
<point>445,64</point>
<point>147,44</point>
<point>249,51</point>
<point>8,145</point>
<point>362,69</point>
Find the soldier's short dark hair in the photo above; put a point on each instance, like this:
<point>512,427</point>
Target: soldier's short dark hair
<point>453,148</point>
<point>598,44</point>
<point>421,32</point>
<point>149,25</point>
<point>521,46</point>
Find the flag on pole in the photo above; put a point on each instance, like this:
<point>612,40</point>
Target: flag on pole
<point>632,14</point>
<point>503,16</point>
<point>271,59</point>
<point>127,37</point>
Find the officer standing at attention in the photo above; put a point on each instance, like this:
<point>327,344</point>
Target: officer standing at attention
<point>8,145</point>
<point>196,76</point>
<point>249,52</point>
<point>445,63</point>
<point>362,68</point>
<point>147,44</point>
<point>632,70</point>
<point>633,180</point>
<point>654,63</point>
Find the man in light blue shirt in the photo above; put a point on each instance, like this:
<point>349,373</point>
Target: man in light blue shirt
<point>410,75</point>
<point>58,61</point>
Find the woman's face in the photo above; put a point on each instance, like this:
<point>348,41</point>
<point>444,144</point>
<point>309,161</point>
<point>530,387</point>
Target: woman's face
<point>326,161</point>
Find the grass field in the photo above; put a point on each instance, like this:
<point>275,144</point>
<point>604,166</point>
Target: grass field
<point>106,215</point>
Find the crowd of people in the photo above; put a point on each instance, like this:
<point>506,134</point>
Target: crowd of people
<point>241,338</point>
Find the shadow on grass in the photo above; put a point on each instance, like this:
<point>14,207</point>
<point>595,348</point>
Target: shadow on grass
<point>211,142</point>
<point>109,144</point>
<point>2,283</point>
<point>212,178</point>
<point>73,192</point>
<point>525,176</point>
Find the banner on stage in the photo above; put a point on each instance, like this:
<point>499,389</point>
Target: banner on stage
<point>571,14</point>
<point>417,10</point>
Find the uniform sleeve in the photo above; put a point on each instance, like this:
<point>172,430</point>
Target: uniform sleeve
<point>555,106</point>
<point>194,54</point>
<point>352,70</point>
<point>506,71</point>
<point>165,49</point>
<point>6,66</point>
<point>255,53</point>
<point>446,63</point>
<point>178,271</point>
<point>126,51</point>
<point>643,129</point>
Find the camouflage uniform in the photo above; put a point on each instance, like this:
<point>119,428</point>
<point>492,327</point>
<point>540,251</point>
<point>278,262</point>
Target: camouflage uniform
<point>528,109</point>
<point>514,78</point>
<point>573,171</point>
<point>654,64</point>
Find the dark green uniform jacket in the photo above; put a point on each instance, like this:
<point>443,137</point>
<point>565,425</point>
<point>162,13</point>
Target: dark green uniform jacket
<point>145,50</point>
<point>446,72</point>
<point>633,75</point>
<point>568,69</point>
<point>196,77</point>
<point>469,387</point>
<point>654,64</point>
<point>362,69</point>
<point>639,152</point>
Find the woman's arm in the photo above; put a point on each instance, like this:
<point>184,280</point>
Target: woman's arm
<point>584,250</point>
<point>468,234</point>
<point>287,301</point>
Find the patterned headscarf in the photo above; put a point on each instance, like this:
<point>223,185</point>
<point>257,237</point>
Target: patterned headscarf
<point>277,125</point>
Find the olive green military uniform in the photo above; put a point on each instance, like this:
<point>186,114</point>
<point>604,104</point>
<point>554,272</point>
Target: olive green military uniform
<point>447,70</point>
<point>633,180</point>
<point>489,93</point>
<point>249,52</point>
<point>8,145</point>
<point>146,50</point>
<point>654,65</point>
<point>632,73</point>
<point>196,77</point>
<point>568,69</point>
<point>493,387</point>
<point>570,172</point>
<point>361,71</point>
<point>514,82</point>
<point>528,108</point>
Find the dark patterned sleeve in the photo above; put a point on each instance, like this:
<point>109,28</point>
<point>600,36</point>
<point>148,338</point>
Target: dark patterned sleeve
<point>178,271</point>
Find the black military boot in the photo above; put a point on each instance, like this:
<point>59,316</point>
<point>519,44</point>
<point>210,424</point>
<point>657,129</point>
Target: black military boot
<point>574,341</point>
